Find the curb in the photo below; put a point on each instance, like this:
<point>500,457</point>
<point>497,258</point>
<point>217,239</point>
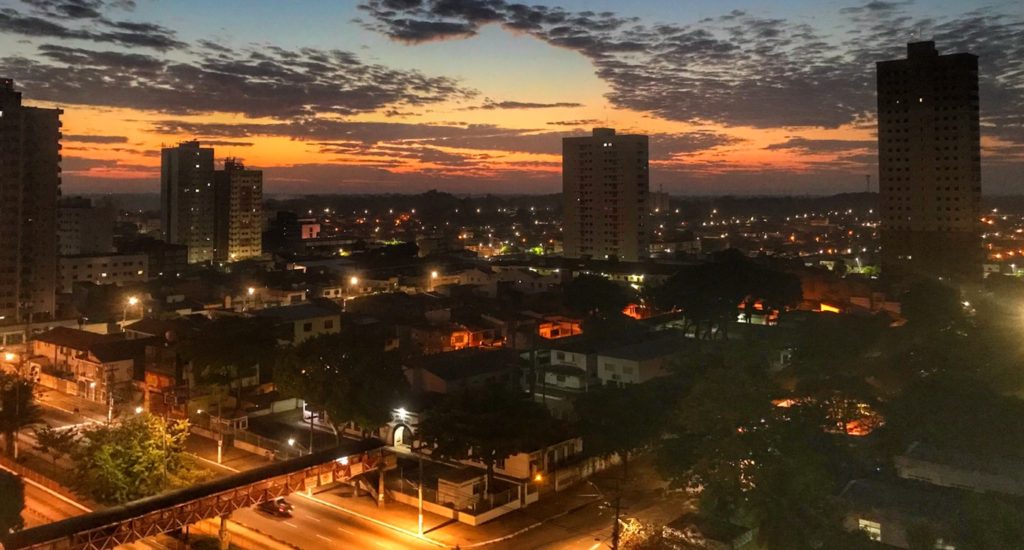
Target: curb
<point>364,517</point>
<point>512,535</point>
<point>241,527</point>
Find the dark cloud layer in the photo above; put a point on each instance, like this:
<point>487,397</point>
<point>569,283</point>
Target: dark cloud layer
<point>490,104</point>
<point>85,20</point>
<point>738,69</point>
<point>83,138</point>
<point>271,82</point>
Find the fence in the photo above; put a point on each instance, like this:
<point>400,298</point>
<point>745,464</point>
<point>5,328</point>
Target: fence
<point>281,451</point>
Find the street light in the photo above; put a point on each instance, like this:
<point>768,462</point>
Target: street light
<point>9,357</point>
<point>138,410</point>
<point>354,281</point>
<point>131,302</point>
<point>291,441</point>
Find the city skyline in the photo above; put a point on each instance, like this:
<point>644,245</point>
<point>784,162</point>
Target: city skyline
<point>387,96</point>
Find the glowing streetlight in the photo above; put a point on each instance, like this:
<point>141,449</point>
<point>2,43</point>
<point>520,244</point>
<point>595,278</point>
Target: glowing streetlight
<point>291,441</point>
<point>353,281</point>
<point>9,357</point>
<point>138,410</point>
<point>433,274</point>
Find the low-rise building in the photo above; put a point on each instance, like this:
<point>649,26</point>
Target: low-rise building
<point>116,269</point>
<point>461,370</point>
<point>86,364</point>
<point>638,362</point>
<point>961,470</point>
<point>302,322</point>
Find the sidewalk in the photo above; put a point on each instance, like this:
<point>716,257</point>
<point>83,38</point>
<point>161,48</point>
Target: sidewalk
<point>233,459</point>
<point>452,533</point>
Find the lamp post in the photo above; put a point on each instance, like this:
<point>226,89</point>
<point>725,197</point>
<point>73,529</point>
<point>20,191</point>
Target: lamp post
<point>249,292</point>
<point>10,358</point>
<point>132,301</point>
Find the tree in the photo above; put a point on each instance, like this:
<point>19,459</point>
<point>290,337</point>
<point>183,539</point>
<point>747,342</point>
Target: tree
<point>12,503</point>
<point>350,380</point>
<point>596,296</point>
<point>622,419</point>
<point>755,463</point>
<point>55,442</point>
<point>140,456</point>
<point>710,293</point>
<point>931,305</point>
<point>228,350</point>
<point>18,408</point>
<point>487,425</point>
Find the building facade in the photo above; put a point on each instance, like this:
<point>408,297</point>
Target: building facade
<point>29,186</point>
<point>239,217</point>
<point>605,185</point>
<point>187,199</point>
<point>929,162</point>
<point>84,228</point>
<point>103,269</point>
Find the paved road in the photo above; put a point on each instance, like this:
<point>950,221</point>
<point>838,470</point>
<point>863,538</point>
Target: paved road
<point>42,506</point>
<point>315,525</point>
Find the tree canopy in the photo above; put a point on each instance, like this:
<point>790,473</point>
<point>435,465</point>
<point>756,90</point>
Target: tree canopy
<point>140,456</point>
<point>228,350</point>
<point>710,293</point>
<point>18,408</point>
<point>350,380</point>
<point>11,504</point>
<point>486,425</point>
<point>596,296</point>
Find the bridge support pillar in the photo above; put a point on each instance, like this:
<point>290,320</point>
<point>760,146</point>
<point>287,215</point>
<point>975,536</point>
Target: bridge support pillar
<point>222,534</point>
<point>380,484</point>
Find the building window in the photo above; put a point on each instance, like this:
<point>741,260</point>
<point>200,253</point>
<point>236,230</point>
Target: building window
<point>329,324</point>
<point>307,327</point>
<point>872,528</point>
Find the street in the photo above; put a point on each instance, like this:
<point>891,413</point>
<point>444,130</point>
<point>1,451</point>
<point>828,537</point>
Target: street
<point>315,525</point>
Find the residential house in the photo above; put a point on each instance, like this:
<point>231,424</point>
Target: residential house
<point>302,322</point>
<point>86,364</point>
<point>461,369</point>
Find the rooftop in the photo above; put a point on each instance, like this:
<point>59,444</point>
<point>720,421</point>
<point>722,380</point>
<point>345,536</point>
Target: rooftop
<point>298,312</point>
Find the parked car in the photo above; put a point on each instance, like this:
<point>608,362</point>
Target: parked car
<point>276,507</point>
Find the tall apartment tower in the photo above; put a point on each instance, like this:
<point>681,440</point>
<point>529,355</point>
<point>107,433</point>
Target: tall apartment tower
<point>929,163</point>
<point>239,220</point>
<point>29,186</point>
<point>187,199</point>
<point>605,183</point>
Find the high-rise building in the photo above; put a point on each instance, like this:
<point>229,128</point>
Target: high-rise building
<point>929,162</point>
<point>605,181</point>
<point>187,199</point>
<point>83,227</point>
<point>239,212</point>
<point>29,186</point>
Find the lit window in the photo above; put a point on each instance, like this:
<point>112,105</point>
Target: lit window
<point>872,528</point>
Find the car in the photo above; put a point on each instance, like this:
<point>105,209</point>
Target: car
<point>276,507</point>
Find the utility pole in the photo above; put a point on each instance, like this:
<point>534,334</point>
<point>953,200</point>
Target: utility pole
<point>420,494</point>
<point>311,413</point>
<point>615,526</point>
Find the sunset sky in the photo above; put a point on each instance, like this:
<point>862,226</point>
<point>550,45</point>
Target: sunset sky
<point>473,96</point>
